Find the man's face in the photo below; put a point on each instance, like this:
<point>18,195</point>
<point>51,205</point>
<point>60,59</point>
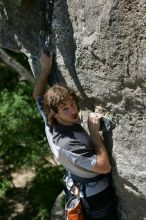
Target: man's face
<point>68,113</point>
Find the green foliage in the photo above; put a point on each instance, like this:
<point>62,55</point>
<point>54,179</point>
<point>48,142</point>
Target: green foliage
<point>4,186</point>
<point>8,78</point>
<point>23,144</point>
<point>48,185</point>
<point>21,136</point>
<point>22,140</point>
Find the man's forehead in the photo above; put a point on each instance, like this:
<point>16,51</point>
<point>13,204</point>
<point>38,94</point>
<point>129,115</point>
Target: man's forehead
<point>65,102</point>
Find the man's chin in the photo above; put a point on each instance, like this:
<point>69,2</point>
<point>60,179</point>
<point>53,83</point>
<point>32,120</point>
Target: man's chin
<point>77,120</point>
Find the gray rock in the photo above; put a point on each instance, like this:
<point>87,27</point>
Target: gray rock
<point>20,27</point>
<point>101,51</point>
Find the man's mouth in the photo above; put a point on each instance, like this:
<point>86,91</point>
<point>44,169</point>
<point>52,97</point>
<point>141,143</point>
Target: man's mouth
<point>75,116</point>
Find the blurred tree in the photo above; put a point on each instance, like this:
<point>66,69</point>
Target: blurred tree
<point>16,66</point>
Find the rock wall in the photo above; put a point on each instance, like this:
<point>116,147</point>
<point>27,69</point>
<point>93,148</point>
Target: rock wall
<point>101,51</point>
<point>20,27</point>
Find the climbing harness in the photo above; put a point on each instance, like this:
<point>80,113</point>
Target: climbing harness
<point>74,208</point>
<point>82,183</point>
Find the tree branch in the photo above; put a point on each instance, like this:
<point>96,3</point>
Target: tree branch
<point>12,63</point>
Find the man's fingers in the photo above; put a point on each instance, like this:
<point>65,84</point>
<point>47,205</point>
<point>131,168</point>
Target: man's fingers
<point>95,116</point>
<point>99,115</point>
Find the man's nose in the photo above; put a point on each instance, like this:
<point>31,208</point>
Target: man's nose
<point>73,110</point>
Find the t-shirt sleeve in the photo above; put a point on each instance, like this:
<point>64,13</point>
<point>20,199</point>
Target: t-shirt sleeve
<point>40,108</point>
<point>79,160</point>
<point>78,149</point>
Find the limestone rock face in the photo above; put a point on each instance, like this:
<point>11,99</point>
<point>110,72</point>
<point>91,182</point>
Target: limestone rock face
<point>101,51</point>
<point>19,28</point>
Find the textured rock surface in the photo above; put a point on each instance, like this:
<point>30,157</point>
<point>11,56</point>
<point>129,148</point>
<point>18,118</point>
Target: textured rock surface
<point>110,63</point>
<point>20,27</point>
<point>101,51</point>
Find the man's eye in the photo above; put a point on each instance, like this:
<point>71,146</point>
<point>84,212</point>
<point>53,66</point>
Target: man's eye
<point>65,109</point>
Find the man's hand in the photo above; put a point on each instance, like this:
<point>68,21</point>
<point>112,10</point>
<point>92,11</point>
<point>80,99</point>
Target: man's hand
<point>94,123</point>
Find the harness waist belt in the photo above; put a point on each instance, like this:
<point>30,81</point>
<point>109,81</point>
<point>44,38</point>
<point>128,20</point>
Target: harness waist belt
<point>87,180</point>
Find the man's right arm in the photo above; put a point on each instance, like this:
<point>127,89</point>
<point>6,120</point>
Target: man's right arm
<point>42,81</point>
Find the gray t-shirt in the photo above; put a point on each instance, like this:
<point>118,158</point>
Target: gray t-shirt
<point>74,149</point>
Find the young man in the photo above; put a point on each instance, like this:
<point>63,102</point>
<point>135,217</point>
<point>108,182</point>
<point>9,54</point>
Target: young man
<point>83,155</point>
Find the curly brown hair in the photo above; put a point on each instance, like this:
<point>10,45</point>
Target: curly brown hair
<point>55,96</point>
